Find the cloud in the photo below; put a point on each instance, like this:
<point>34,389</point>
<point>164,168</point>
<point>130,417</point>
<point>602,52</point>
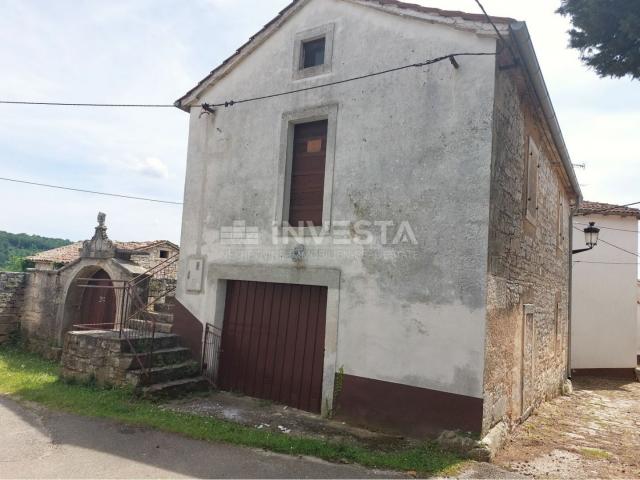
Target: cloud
<point>149,167</point>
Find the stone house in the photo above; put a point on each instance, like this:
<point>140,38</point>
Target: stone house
<point>604,328</point>
<point>146,254</point>
<point>428,287</point>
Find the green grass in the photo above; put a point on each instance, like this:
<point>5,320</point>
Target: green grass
<point>28,377</point>
<point>594,453</point>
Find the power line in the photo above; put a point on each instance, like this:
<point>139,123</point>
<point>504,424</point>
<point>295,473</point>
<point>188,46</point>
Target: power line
<point>450,57</point>
<point>607,263</point>
<point>611,228</point>
<point>131,197</point>
<point>619,248</point>
<point>109,105</point>
<point>229,103</point>
<point>612,245</point>
<point>504,42</point>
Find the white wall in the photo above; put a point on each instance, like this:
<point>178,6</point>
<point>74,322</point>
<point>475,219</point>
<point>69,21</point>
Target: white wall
<point>604,303</point>
<point>410,146</point>
<point>638,319</point>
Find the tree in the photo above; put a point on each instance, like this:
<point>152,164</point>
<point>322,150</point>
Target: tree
<point>607,33</point>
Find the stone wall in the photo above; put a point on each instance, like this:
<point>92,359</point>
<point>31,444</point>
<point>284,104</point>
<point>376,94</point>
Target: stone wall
<point>528,281</point>
<point>149,261</point>
<point>95,356</point>
<point>40,323</point>
<point>12,286</point>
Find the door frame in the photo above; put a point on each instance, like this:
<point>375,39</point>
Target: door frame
<point>219,274</point>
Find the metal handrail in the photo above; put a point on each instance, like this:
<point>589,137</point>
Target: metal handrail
<point>135,304</point>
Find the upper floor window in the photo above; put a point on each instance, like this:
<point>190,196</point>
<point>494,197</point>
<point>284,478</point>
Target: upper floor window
<point>164,253</point>
<point>313,53</point>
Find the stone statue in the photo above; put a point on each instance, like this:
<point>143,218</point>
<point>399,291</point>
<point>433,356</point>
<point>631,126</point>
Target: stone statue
<point>99,246</point>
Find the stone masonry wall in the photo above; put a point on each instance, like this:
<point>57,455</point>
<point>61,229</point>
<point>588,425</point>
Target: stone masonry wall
<point>39,325</point>
<point>525,355</point>
<point>12,286</point>
<point>95,356</point>
<point>149,261</point>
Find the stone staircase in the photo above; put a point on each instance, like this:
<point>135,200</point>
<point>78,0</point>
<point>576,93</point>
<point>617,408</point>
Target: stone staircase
<point>112,359</point>
<point>173,370</point>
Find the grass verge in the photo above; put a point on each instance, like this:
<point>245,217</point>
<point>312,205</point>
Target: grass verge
<point>29,377</point>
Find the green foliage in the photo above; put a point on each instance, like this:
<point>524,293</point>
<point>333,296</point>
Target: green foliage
<point>15,246</point>
<point>607,33</point>
<point>30,378</point>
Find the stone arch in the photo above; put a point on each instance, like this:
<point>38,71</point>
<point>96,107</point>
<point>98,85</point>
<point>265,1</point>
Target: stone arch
<point>72,294</point>
<point>75,297</point>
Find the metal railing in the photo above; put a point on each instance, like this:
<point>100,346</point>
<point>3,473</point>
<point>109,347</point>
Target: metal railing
<point>136,317</point>
<point>211,353</point>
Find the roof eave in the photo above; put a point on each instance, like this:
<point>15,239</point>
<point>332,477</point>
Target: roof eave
<point>524,44</point>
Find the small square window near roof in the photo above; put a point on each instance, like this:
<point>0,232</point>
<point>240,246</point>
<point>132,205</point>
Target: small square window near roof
<point>313,53</point>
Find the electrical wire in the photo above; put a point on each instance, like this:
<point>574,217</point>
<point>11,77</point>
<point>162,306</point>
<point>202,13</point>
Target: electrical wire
<point>611,228</point>
<point>229,103</point>
<point>606,263</point>
<point>110,105</point>
<point>131,197</point>
<point>612,245</point>
<point>502,40</point>
<point>450,56</point>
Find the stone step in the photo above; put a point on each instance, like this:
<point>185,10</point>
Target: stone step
<point>160,316</point>
<point>167,356</point>
<point>146,326</point>
<point>175,388</point>
<point>162,307</point>
<point>161,341</point>
<point>164,374</point>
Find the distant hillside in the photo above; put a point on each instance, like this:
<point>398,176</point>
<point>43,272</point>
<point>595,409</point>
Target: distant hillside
<point>15,246</point>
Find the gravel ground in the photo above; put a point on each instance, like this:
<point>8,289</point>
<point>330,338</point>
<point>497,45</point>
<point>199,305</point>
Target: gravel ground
<point>594,433</point>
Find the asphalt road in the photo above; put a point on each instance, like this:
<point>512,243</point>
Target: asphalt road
<point>39,443</point>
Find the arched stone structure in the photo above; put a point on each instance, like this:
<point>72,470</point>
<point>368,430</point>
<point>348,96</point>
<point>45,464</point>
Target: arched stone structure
<point>53,297</point>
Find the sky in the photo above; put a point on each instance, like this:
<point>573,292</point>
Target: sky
<point>153,51</point>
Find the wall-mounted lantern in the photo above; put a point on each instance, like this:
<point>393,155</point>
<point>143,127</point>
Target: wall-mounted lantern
<point>591,234</point>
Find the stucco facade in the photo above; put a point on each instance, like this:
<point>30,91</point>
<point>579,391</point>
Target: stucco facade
<point>604,304</point>
<point>409,167</point>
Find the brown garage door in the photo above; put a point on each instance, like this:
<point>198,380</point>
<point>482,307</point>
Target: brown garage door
<point>273,342</point>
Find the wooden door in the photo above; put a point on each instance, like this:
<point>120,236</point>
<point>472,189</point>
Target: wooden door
<point>527,366</point>
<point>98,306</point>
<point>307,173</point>
<point>273,342</point>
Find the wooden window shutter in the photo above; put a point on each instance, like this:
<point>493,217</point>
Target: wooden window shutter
<point>561,210</point>
<point>307,173</point>
<point>533,163</point>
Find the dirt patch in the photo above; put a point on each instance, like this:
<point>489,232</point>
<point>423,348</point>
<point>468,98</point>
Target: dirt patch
<point>594,433</point>
<point>265,415</point>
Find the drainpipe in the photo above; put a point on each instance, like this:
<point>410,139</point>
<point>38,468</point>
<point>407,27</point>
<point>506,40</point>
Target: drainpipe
<point>570,295</point>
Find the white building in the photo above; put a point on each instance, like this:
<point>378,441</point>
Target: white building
<point>604,317</point>
<point>435,294</point>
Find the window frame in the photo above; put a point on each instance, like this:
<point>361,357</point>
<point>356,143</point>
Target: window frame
<point>285,162</point>
<point>323,31</point>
